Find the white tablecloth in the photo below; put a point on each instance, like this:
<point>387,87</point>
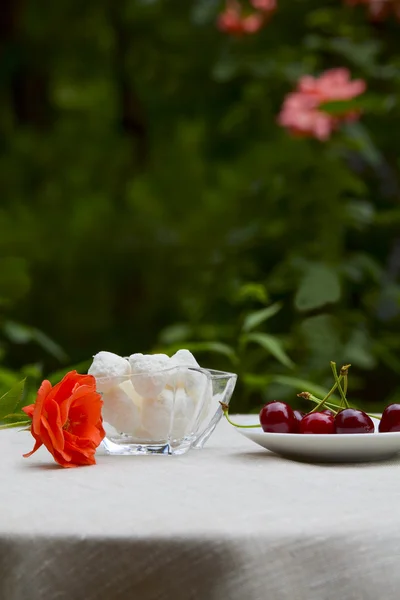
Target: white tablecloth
<point>231,521</point>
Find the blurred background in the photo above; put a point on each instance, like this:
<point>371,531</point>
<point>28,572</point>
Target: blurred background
<point>151,200</point>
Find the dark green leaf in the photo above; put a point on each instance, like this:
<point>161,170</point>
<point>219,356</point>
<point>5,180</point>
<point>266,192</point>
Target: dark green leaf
<point>14,417</point>
<point>341,107</point>
<point>11,399</point>
<point>367,103</point>
<point>320,285</point>
<point>15,424</point>
<point>23,334</point>
<point>300,385</point>
<point>252,291</point>
<point>213,347</point>
<point>257,317</point>
<point>359,350</point>
<point>17,333</point>
<point>81,368</point>
<point>271,344</point>
<point>322,339</point>
<point>175,333</point>
<point>49,345</point>
<point>254,381</point>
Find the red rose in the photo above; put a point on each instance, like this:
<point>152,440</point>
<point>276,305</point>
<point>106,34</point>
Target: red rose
<point>67,419</point>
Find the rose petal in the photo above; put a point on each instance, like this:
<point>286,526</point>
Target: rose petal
<point>53,425</point>
<point>43,392</point>
<point>37,445</point>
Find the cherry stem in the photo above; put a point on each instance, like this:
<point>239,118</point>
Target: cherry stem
<point>341,392</point>
<point>329,394</point>
<point>345,383</point>
<point>333,407</point>
<point>345,372</point>
<point>225,409</point>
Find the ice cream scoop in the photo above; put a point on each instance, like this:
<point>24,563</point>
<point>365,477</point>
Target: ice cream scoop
<point>105,367</point>
<point>153,395</point>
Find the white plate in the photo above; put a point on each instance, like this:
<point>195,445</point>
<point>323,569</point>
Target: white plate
<point>355,447</point>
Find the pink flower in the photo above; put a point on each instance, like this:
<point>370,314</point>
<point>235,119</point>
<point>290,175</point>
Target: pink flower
<point>230,21</point>
<point>252,23</point>
<point>379,9</point>
<point>268,6</point>
<point>301,111</point>
<point>333,85</point>
<point>233,20</point>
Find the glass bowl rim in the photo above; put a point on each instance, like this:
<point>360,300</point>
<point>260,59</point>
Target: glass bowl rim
<point>212,373</point>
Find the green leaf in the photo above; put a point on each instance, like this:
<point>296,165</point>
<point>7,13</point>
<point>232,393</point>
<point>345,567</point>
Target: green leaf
<point>360,213</point>
<point>259,382</point>
<point>321,340</point>
<point>341,107</point>
<point>23,334</point>
<point>271,344</point>
<point>358,138</point>
<point>175,333</point>
<point>11,399</point>
<point>8,379</point>
<point>15,424</point>
<point>257,317</point>
<point>296,383</point>
<point>81,367</point>
<point>388,357</point>
<point>361,266</point>
<point>300,385</point>
<point>217,347</point>
<point>358,350</point>
<point>17,333</point>
<point>252,291</point>
<point>320,285</point>
<point>368,103</point>
<point>14,416</point>
<point>32,371</point>
<point>49,345</point>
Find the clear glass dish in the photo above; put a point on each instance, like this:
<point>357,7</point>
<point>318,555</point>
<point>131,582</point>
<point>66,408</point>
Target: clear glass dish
<point>163,412</point>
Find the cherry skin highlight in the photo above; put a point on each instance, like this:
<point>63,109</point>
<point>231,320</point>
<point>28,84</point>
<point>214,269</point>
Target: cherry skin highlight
<point>318,423</point>
<point>327,411</point>
<point>298,415</point>
<point>277,417</point>
<point>351,420</point>
<point>390,420</point>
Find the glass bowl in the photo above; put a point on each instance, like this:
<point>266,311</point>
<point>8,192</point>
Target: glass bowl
<point>163,412</point>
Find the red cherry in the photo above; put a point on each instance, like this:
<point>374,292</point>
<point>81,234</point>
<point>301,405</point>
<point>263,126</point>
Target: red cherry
<point>277,417</point>
<point>317,422</point>
<point>327,411</point>
<point>351,420</point>
<point>298,415</point>
<point>390,420</point>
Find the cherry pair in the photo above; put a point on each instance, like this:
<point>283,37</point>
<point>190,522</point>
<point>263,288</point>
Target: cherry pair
<point>279,417</point>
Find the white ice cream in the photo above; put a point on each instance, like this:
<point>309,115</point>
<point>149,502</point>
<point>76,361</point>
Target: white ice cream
<point>152,396</point>
<point>149,378</point>
<point>105,367</point>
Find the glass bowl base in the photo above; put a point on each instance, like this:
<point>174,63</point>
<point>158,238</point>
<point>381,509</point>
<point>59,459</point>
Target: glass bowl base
<point>144,448</point>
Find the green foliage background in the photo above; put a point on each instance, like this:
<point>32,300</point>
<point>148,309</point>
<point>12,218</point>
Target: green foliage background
<point>149,200</point>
